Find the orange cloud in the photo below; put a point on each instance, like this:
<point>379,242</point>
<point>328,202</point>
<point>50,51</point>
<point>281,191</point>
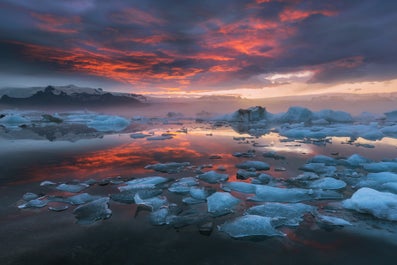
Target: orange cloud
<point>290,15</point>
<point>135,16</point>
<point>56,24</point>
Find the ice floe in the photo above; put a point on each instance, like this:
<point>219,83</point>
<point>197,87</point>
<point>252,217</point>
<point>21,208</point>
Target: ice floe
<point>172,167</point>
<point>257,165</point>
<point>213,177</point>
<point>220,203</point>
<point>72,187</point>
<point>382,205</point>
<point>250,225</point>
<point>327,183</point>
<point>93,211</point>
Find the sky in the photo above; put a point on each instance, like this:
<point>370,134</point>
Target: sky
<point>248,48</point>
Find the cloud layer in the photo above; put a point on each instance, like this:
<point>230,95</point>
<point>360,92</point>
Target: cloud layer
<point>191,46</point>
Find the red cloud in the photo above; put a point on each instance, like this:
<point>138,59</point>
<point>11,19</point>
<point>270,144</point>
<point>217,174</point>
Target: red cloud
<point>56,24</point>
<point>290,14</point>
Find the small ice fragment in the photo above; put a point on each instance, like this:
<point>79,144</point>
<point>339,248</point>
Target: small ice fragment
<point>72,187</point>
<point>306,176</point>
<point>213,177</point>
<point>356,160</point>
<point>81,198</point>
<point>326,160</point>
<point>35,203</point>
<point>250,225</point>
<point>199,193</point>
<point>159,217</point>
<point>154,180</point>
<point>332,220</point>
<point>47,183</point>
<point>30,196</point>
<point>320,169</point>
<point>183,185</point>
<point>154,203</point>
<point>191,200</point>
<point>60,208</point>
<point>248,154</point>
<point>274,155</point>
<point>93,211</point>
<point>279,169</point>
<point>328,183</point>
<point>128,196</point>
<point>380,204</point>
<point>262,179</point>
<point>282,214</point>
<point>172,167</point>
<point>381,166</point>
<point>206,228</point>
<point>221,203</point>
<point>257,165</point>
<point>274,194</point>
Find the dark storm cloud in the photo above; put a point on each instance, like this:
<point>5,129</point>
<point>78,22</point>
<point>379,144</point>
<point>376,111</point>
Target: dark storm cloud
<point>195,45</point>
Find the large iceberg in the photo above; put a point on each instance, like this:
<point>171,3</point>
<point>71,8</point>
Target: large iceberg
<point>102,123</point>
<point>252,114</point>
<point>380,204</point>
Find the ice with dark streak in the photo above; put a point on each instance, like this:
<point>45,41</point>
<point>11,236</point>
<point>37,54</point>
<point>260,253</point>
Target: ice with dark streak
<point>257,165</point>
<point>93,211</point>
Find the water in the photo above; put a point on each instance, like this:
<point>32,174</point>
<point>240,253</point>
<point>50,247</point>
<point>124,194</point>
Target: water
<point>39,236</point>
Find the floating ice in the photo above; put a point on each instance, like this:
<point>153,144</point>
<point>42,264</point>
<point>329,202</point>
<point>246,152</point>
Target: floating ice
<point>59,208</point>
<point>320,169</point>
<point>93,211</point>
<point>375,180</point>
<point>327,183</point>
<point>172,167</point>
<point>191,200</point>
<point>30,196</point>
<point>390,187</point>
<point>213,177</point>
<point>334,116</point>
<point>183,185</point>
<point>282,214</point>
<point>380,204</point>
<point>326,160</point>
<point>248,154</point>
<point>274,194</point>
<point>244,174</point>
<point>356,160</point>
<point>47,183</point>
<point>306,176</point>
<point>72,187</point>
<point>221,203</point>
<point>250,225</point>
<point>257,165</point>
<point>159,138</point>
<point>128,196</point>
<point>135,187</point>
<point>81,198</point>
<point>245,115</point>
<point>35,203</point>
<point>154,203</point>
<point>152,180</point>
<point>296,114</point>
<point>199,193</point>
<point>102,123</point>
<point>240,187</point>
<point>262,179</point>
<point>186,218</point>
<point>274,155</point>
<point>13,121</point>
<point>159,217</point>
<point>380,166</point>
<point>332,220</point>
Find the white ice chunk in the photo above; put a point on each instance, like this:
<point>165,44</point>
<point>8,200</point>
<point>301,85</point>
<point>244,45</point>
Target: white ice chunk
<point>221,203</point>
<point>213,177</point>
<point>93,211</point>
<point>47,183</point>
<point>172,167</point>
<point>257,165</point>
<point>250,225</point>
<point>356,160</point>
<point>327,183</point>
<point>380,204</point>
<point>72,187</point>
<point>282,214</point>
<point>102,123</point>
<point>381,166</point>
<point>377,180</point>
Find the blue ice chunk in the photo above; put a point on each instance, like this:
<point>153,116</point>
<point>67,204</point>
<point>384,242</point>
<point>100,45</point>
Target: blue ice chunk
<point>282,214</point>
<point>250,225</point>
<point>332,220</point>
<point>199,193</point>
<point>172,167</point>
<point>72,187</point>
<point>240,187</point>
<point>159,217</point>
<point>213,177</point>
<point>327,183</point>
<point>93,211</point>
<point>257,165</point>
<point>183,185</point>
<point>81,198</point>
<point>220,203</point>
<point>154,203</point>
<point>30,196</point>
<point>381,166</point>
<point>35,203</point>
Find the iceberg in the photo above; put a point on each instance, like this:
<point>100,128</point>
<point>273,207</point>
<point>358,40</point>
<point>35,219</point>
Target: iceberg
<point>220,203</point>
<point>257,165</point>
<point>93,211</point>
<point>213,177</point>
<point>334,116</point>
<point>252,114</point>
<point>382,205</point>
<point>101,123</point>
<point>296,114</point>
<point>250,225</point>
<point>14,121</point>
<point>282,214</point>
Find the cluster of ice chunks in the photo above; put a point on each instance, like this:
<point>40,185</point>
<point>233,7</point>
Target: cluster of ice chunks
<point>278,206</point>
<point>172,167</point>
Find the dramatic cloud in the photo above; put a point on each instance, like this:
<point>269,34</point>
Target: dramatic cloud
<point>195,46</point>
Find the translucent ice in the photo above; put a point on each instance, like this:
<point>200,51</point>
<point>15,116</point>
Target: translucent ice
<point>274,155</point>
<point>257,165</point>
<point>159,217</point>
<point>240,187</point>
<point>381,166</point>
<point>13,121</point>
<point>128,196</point>
<point>81,198</point>
<point>72,187</point>
<point>221,203</point>
<point>30,196</point>
<point>376,180</point>
<point>199,193</point>
<point>93,211</point>
<point>35,203</point>
<point>244,174</point>
<point>320,169</point>
<point>183,185</point>
<point>250,225</point>
<point>332,220</point>
<point>356,160</point>
<point>328,183</point>
<point>154,203</point>
<point>172,167</point>
<point>213,177</point>
<point>153,180</point>
<point>103,123</point>
<point>326,160</point>
<point>282,214</point>
<point>380,204</point>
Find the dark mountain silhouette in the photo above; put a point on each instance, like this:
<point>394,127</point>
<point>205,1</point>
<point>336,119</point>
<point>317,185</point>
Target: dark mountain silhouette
<point>51,96</point>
